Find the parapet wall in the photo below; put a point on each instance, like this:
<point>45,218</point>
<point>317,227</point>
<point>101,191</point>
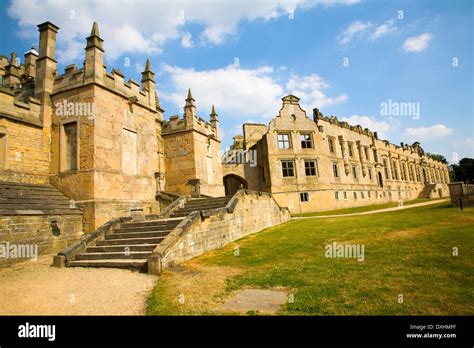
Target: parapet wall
<point>246,213</point>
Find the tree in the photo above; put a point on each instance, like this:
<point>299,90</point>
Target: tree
<point>437,157</point>
<point>464,171</point>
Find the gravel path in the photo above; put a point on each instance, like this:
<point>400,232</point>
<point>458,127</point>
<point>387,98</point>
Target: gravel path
<point>375,211</point>
<point>29,288</point>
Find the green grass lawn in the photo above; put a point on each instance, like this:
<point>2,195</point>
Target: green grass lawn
<point>363,208</point>
<point>408,252</point>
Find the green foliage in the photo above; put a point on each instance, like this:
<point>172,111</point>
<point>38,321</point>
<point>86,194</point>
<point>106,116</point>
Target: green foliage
<point>437,157</point>
<point>464,171</point>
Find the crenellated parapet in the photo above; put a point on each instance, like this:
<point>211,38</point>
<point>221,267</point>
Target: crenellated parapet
<point>191,121</point>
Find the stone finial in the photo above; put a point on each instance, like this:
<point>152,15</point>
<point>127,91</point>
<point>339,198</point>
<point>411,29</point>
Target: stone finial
<point>148,75</point>
<point>94,39</point>
<point>148,65</point>
<point>95,29</point>
<point>214,117</point>
<point>190,100</point>
<point>189,110</point>
<point>213,113</point>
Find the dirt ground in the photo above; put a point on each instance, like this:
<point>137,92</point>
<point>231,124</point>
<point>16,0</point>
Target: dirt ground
<point>29,288</point>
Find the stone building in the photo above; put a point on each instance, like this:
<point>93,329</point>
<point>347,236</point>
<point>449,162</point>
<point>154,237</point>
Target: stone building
<point>80,148</point>
<point>323,163</point>
<point>95,140</point>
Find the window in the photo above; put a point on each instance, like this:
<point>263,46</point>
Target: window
<point>335,169</point>
<point>394,170</point>
<point>69,152</point>
<point>376,158</point>
<point>288,168</point>
<point>304,197</point>
<point>368,194</point>
<point>366,150</point>
<point>370,173</point>
<point>362,194</point>
<point>3,147</point>
<point>345,195</point>
<point>284,141</point>
<point>310,168</point>
<point>129,152</point>
<point>355,195</point>
<point>351,149</point>
<point>332,148</point>
<point>306,142</point>
<point>336,195</point>
<point>385,168</point>
<point>354,171</point>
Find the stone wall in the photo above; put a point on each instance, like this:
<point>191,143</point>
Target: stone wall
<point>246,213</point>
<point>36,230</point>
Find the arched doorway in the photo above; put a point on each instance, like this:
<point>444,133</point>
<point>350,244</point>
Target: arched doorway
<point>233,183</point>
<point>380,180</point>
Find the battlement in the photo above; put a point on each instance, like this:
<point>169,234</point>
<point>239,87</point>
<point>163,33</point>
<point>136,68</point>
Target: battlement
<point>15,74</point>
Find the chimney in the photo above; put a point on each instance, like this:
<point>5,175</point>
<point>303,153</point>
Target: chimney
<point>30,62</point>
<point>45,69</point>
<point>94,63</point>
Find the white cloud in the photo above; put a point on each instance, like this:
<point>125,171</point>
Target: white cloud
<point>354,29</point>
<point>384,29</point>
<point>186,40</point>
<point>425,133</point>
<point>131,27</point>
<point>309,90</point>
<point>381,128</point>
<point>244,92</point>
<point>417,43</point>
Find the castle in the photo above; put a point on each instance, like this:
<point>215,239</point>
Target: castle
<point>81,148</point>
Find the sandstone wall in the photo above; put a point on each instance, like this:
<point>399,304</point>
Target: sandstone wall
<point>248,212</point>
<point>36,230</point>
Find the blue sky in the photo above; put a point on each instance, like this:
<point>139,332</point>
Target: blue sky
<point>344,57</point>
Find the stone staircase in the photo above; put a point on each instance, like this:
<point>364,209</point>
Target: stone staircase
<point>29,199</point>
<point>195,204</point>
<point>130,245</point>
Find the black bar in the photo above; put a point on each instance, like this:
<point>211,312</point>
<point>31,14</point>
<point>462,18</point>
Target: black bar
<point>81,330</point>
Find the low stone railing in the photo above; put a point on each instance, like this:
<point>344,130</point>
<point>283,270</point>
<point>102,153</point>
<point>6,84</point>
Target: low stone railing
<point>68,254</point>
<point>247,212</point>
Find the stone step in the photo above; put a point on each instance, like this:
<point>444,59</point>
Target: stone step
<point>151,223</point>
<point>134,264</point>
<point>121,248</point>
<point>190,209</point>
<point>146,228</point>
<point>194,203</point>
<point>146,234</point>
<point>113,255</point>
<point>128,241</point>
